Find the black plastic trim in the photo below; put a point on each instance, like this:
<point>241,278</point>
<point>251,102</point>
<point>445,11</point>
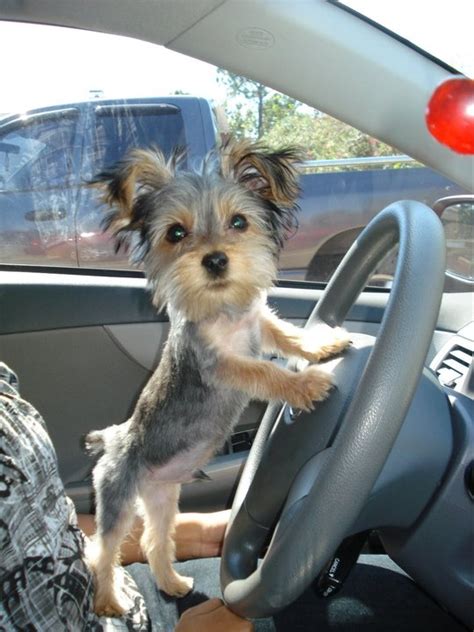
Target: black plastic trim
<point>44,303</point>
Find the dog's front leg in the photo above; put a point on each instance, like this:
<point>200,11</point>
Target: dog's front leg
<point>316,344</point>
<point>264,380</point>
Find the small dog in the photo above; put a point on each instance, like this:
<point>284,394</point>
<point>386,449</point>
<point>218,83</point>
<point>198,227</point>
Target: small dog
<point>209,242</point>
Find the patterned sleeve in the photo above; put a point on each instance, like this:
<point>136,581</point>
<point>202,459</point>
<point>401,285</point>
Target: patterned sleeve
<point>44,582</point>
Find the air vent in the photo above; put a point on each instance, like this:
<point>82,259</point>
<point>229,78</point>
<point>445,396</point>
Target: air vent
<point>455,366</point>
<point>238,442</point>
<point>453,363</point>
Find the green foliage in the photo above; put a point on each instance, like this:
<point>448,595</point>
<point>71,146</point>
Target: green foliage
<point>277,107</point>
<point>241,120</point>
<point>324,137</point>
<point>244,120</point>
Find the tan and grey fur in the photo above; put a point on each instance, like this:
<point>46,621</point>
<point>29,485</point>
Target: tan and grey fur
<point>209,242</point>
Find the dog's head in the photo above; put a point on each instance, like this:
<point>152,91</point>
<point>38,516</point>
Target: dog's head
<point>209,240</point>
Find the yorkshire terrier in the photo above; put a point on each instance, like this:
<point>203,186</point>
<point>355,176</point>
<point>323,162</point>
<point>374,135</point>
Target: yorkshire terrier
<point>209,242</point>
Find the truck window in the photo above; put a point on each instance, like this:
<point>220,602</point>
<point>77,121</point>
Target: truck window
<point>112,130</point>
<point>38,178</point>
<point>37,152</point>
<point>119,128</point>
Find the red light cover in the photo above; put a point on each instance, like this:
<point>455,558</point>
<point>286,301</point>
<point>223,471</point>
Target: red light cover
<point>450,115</point>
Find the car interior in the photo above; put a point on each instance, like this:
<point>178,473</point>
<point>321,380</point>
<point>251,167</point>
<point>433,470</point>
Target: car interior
<point>390,455</point>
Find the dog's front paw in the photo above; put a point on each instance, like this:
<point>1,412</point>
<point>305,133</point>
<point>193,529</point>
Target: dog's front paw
<point>309,386</point>
<point>342,339</point>
<point>176,585</point>
<point>324,341</point>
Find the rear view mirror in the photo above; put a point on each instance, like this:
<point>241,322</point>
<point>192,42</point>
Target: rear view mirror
<point>457,214</point>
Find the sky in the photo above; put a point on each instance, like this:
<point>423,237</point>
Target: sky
<point>41,65</point>
<point>54,65</point>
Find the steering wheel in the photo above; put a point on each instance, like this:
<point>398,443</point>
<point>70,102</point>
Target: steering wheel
<point>309,476</point>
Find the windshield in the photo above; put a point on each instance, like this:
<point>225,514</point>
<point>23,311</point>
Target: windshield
<point>441,29</point>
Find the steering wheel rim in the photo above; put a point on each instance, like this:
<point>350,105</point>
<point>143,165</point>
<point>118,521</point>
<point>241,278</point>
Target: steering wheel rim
<point>352,464</point>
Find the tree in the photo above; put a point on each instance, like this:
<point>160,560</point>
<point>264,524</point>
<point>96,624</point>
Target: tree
<point>252,91</point>
<point>255,108</point>
<point>277,107</point>
<point>255,111</point>
<point>324,137</point>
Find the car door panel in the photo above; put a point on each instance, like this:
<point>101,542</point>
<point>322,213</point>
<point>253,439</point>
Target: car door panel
<point>84,346</point>
<point>79,379</point>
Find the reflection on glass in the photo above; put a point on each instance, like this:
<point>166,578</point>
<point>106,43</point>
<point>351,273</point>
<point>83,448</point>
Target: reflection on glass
<point>458,226</point>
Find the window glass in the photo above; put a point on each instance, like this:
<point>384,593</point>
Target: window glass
<point>113,130</point>
<point>122,127</point>
<point>38,176</point>
<point>15,152</point>
<point>37,152</point>
<point>458,225</point>
<point>50,216</point>
<point>347,178</point>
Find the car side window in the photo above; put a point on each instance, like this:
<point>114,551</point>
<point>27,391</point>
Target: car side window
<point>50,216</point>
<point>347,177</point>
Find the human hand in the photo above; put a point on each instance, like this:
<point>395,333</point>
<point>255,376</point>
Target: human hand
<point>212,616</point>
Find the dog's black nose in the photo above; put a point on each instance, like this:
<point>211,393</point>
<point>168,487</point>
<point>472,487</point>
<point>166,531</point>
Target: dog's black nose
<point>215,263</point>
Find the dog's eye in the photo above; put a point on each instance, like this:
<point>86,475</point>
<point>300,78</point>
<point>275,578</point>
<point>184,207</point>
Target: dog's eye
<point>239,222</point>
<point>176,233</point>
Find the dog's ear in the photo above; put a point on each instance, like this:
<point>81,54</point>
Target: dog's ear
<point>126,185</point>
<point>272,175</point>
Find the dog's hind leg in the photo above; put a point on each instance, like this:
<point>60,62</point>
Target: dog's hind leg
<point>115,489</point>
<point>160,505</point>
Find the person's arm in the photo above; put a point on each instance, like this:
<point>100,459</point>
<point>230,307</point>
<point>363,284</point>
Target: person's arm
<point>200,534</point>
<point>197,535</point>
